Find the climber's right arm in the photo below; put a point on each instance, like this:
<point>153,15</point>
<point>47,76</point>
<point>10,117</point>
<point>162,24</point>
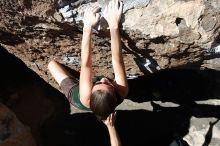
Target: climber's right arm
<point>91,17</point>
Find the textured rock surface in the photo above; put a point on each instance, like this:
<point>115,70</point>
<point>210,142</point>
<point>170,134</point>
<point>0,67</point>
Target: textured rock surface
<point>12,131</point>
<point>203,132</point>
<point>172,34</point>
<point>169,33</point>
<point>172,105</point>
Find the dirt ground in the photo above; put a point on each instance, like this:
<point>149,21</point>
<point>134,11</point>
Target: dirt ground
<point>141,119</point>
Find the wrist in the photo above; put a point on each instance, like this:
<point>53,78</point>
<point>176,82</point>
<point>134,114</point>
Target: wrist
<point>113,27</point>
<point>87,29</point>
<point>110,127</point>
<point>114,31</point>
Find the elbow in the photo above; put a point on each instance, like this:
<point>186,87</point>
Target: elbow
<point>124,92</point>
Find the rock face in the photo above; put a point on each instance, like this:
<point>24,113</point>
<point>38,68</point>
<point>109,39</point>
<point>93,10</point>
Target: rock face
<point>172,33</point>
<point>13,132</point>
<point>203,132</point>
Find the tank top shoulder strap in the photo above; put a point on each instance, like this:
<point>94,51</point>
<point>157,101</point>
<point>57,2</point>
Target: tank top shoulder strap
<point>97,78</point>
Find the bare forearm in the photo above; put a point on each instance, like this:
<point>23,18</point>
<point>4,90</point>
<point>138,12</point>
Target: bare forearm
<point>116,46</point>
<point>114,137</point>
<point>85,81</point>
<point>90,19</point>
<point>118,63</point>
<point>86,49</point>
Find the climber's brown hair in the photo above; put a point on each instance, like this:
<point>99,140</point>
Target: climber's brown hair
<point>103,103</point>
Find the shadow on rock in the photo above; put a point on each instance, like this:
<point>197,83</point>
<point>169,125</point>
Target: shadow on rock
<point>10,39</point>
<point>32,99</point>
<point>138,127</point>
<point>45,110</point>
<point>181,86</point>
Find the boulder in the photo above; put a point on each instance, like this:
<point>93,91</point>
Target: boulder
<point>13,132</point>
